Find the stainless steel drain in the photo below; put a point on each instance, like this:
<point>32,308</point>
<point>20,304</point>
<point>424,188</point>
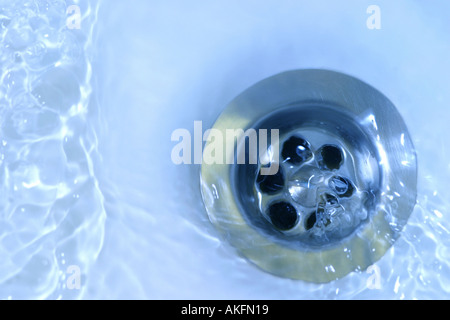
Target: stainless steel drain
<point>346,179</point>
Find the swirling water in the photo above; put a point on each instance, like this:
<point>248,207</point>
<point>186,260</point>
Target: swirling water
<point>86,117</point>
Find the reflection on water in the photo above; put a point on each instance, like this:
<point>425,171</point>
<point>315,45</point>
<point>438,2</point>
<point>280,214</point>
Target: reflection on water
<point>159,67</point>
<point>52,216</point>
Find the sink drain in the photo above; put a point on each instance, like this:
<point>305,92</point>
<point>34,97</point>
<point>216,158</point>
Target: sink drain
<point>346,179</point>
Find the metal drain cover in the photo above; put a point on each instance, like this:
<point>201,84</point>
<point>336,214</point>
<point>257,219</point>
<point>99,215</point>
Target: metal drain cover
<point>345,184</point>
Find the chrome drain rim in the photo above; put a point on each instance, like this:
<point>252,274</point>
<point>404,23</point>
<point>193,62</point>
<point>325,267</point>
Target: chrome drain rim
<point>375,116</point>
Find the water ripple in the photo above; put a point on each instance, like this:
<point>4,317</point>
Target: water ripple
<point>51,209</point>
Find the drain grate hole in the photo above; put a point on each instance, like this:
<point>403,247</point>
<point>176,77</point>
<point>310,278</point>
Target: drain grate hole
<point>311,221</point>
<point>271,184</point>
<point>330,157</point>
<point>296,150</point>
<point>283,215</point>
<point>342,186</point>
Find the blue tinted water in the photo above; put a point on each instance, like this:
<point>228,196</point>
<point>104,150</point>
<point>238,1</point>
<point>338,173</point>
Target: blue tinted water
<point>86,115</point>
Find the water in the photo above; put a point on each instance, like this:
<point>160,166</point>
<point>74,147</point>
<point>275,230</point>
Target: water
<point>134,222</point>
<point>52,214</point>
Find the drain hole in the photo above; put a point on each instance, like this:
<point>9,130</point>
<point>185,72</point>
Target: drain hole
<point>330,157</point>
<point>311,221</point>
<point>271,184</point>
<point>342,186</point>
<point>330,199</point>
<point>296,150</point>
<point>283,215</point>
